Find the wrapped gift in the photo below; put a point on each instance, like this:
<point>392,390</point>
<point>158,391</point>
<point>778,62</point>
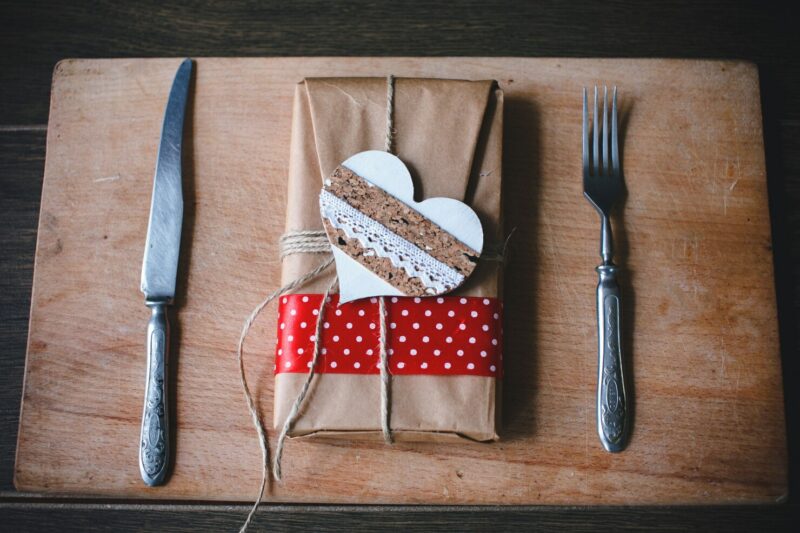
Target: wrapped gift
<point>445,352</point>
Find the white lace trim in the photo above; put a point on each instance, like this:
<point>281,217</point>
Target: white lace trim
<point>376,239</point>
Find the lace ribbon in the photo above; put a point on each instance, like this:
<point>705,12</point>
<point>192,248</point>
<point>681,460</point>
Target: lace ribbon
<point>377,239</point>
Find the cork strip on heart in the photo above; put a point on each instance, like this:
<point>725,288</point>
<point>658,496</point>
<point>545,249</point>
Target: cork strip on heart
<point>401,219</point>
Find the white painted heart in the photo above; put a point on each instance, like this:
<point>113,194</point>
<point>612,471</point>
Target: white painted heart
<point>384,243</point>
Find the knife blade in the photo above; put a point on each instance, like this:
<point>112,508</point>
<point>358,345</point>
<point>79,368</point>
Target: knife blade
<point>159,273</point>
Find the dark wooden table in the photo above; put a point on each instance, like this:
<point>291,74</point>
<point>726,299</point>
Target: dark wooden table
<point>35,35</point>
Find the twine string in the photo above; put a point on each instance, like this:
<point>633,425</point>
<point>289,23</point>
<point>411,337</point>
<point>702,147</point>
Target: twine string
<point>385,376</point>
<point>251,405</point>
<point>311,241</point>
<point>384,364</point>
<point>304,241</point>
<point>317,242</point>
<point>294,413</point>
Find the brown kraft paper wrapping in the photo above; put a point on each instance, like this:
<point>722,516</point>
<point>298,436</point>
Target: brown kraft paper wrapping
<point>449,134</point>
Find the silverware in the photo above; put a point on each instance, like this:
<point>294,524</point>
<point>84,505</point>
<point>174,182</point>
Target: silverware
<point>159,270</point>
<point>602,186</point>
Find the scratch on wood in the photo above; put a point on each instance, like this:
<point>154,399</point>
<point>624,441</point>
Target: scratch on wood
<point>107,178</point>
<point>141,86</point>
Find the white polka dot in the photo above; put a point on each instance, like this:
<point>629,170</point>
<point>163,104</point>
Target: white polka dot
<point>290,338</point>
<point>346,351</point>
<point>349,325</point>
<point>463,300</point>
<point>402,338</point>
<point>280,351</point>
<point>413,352</point>
<point>369,352</point>
<point>394,299</point>
<point>373,301</point>
<point>324,351</point>
<point>293,312</point>
<point>361,312</point>
<point>460,353</point>
<point>392,325</point>
<point>423,366</point>
<point>496,316</point>
<point>492,368</point>
<point>336,338</point>
<point>372,325</point>
<point>494,342</point>
<point>391,351</point>
<point>428,312</point>
<point>439,300</point>
<point>309,364</point>
<point>333,364</point>
<point>338,312</point>
<point>485,327</point>
<point>439,326</point>
<point>448,340</point>
<point>417,300</point>
<point>415,325</point>
<point>300,351</point>
<point>483,353</point>
<point>326,325</point>
<point>283,325</point>
<point>470,366</point>
<point>437,353</point>
<point>426,338</point>
<point>404,312</point>
<point>312,338</point>
<point>472,340</point>
<point>401,364</point>
<point>447,366</point>
<point>462,327</point>
<point>285,300</point>
<point>486,301</point>
<point>288,364</point>
<point>303,325</point>
<point>451,313</point>
<point>474,314</point>
<point>305,298</point>
<point>359,338</point>
<point>356,365</point>
<point>315,312</point>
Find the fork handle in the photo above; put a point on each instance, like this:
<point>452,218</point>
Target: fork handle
<point>612,400</point>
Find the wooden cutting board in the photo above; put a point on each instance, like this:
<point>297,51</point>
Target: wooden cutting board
<point>694,238</point>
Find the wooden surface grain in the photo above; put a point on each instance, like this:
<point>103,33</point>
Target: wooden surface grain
<point>36,35</point>
<point>701,317</point>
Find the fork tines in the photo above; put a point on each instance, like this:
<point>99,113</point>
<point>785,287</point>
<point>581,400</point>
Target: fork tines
<point>595,162</point>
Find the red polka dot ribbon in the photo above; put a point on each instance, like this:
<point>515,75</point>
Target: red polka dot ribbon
<point>450,335</point>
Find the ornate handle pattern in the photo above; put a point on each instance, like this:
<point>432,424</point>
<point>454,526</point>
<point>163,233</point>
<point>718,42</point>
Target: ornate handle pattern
<point>612,408</point>
<point>154,440</point>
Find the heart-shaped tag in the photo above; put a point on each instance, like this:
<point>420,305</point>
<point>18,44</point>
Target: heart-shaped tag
<point>385,243</point>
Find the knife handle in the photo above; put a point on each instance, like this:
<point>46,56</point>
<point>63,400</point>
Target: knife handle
<point>154,442</point>
<point>612,400</point>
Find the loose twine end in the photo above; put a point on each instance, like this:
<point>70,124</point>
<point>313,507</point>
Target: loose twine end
<point>311,241</point>
<point>251,405</point>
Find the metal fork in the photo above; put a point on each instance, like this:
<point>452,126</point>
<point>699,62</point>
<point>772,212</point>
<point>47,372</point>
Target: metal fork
<point>602,186</point>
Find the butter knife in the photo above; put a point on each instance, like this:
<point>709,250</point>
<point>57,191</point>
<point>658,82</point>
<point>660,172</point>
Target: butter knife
<point>159,271</point>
